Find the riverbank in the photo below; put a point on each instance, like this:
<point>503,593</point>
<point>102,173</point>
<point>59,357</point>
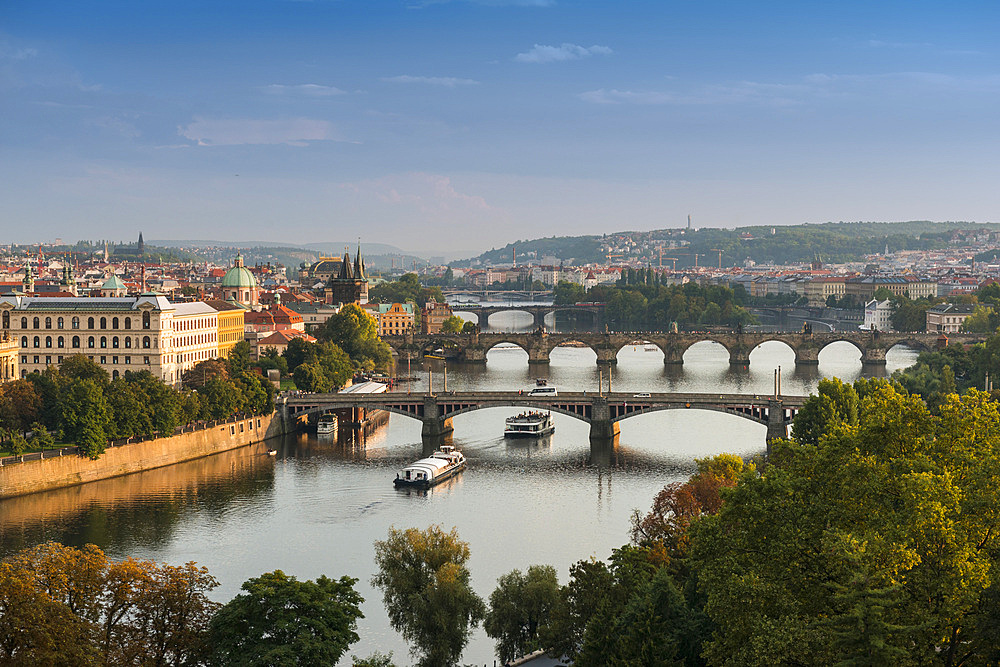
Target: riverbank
<point>38,475</point>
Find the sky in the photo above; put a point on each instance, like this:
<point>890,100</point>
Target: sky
<point>453,126</point>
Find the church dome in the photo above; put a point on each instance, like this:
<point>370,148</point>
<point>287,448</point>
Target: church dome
<point>239,276</point>
<point>113,283</point>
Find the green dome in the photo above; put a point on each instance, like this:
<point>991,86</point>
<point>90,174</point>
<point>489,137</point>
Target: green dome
<point>113,283</point>
<point>239,276</point>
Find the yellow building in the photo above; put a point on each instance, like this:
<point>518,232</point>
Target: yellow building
<point>8,357</point>
<point>393,320</point>
<point>818,290</point>
<point>230,325</point>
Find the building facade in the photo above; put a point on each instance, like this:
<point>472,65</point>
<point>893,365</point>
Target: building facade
<point>948,317</point>
<point>9,357</point>
<point>818,290</point>
<point>230,318</point>
<point>878,315</point>
<point>433,315</point>
<point>351,284</point>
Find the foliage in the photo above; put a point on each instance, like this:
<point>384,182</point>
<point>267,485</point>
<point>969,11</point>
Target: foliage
<point>568,293</point>
<point>452,324</point>
<point>834,402</point>
<point>470,328</point>
<point>982,320</point>
<point>426,591</point>
<point>518,606</point>
<point>356,332</point>
<point>406,289</point>
<point>642,302</point>
<point>318,367</point>
<point>875,544</point>
<point>910,315</point>
<point>198,375</point>
<point>240,357</point>
<point>85,416</point>
<point>280,621</point>
<point>66,606</point>
<point>20,405</point>
<point>376,659</point>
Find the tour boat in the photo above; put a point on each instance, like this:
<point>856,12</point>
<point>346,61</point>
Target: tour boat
<point>531,424</point>
<point>425,473</point>
<point>327,424</point>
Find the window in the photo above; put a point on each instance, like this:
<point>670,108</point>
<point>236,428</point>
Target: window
<point>24,322</point>
<point>76,341</point>
<point>145,360</point>
<point>48,360</point>
<point>59,360</point>
<point>104,323</point>
<point>35,359</point>
<point>90,322</point>
<point>76,322</point>
<point>145,342</point>
<point>104,360</point>
<point>90,342</point>
<point>48,322</point>
<point>114,360</point>
<point>114,323</point>
<point>128,322</point>
<point>104,341</point>
<point>24,341</point>
<point>128,342</point>
<point>35,323</point>
<point>37,342</point>
<point>60,342</point>
<point>128,361</point>
<point>145,320</point>
<point>24,358</point>
<point>60,323</point>
<point>114,375</point>
<point>6,319</point>
<point>114,341</point>
<point>48,341</point>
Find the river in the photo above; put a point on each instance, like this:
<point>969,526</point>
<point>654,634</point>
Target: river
<point>317,507</point>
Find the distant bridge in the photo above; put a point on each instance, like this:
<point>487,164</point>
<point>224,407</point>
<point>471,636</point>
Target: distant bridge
<point>602,411</point>
<point>472,348</point>
<point>594,310</point>
<point>497,294</point>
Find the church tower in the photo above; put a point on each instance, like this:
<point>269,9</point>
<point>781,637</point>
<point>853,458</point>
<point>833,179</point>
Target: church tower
<point>141,247</point>
<point>350,285</point>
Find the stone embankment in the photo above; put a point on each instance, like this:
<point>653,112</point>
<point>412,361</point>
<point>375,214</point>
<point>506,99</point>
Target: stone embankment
<point>54,472</point>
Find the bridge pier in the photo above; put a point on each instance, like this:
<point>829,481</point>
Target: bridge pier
<point>434,426</point>
<point>538,355</point>
<point>673,356</point>
<point>473,355</point>
<point>606,356</point>
<point>777,426</point>
<point>873,356</point>
<point>806,356</point>
<point>739,355</point>
<point>602,428</point>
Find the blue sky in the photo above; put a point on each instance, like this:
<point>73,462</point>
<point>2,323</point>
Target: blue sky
<point>455,126</point>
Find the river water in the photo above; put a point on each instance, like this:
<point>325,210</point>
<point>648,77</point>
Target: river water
<point>318,507</point>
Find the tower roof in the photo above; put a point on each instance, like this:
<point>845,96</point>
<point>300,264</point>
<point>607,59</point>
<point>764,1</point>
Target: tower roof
<point>239,276</point>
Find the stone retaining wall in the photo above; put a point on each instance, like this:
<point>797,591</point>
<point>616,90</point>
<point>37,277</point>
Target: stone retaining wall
<point>62,471</point>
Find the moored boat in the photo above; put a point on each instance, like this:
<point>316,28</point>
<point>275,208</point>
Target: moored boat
<point>530,424</point>
<point>425,473</point>
<point>326,425</point>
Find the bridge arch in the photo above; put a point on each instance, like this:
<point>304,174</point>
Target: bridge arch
<point>485,321</point>
<point>707,339</point>
<point>541,405</point>
<point>322,409</point>
<point>758,416</point>
<point>569,343</point>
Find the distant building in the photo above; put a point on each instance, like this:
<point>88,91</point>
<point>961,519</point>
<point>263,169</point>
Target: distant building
<point>878,315</point>
<point>351,284</point>
<point>394,319</point>
<point>314,315</point>
<point>279,340</point>
<point>320,271</point>
<point>818,290</point>
<point>863,289</point>
<point>948,317</point>
<point>9,350</point>
<point>240,286</point>
<point>231,327</point>
<point>433,315</point>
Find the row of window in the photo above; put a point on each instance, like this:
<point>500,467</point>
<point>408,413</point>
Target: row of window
<point>36,359</point>
<point>60,322</point>
<point>60,341</point>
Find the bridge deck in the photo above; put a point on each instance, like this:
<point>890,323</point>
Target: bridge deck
<point>525,398</point>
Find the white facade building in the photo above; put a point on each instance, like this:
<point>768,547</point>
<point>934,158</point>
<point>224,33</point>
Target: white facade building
<point>878,315</point>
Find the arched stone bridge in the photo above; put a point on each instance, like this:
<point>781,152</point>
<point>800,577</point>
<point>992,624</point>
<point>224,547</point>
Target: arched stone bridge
<point>538,312</point>
<point>602,411</point>
<point>472,348</point>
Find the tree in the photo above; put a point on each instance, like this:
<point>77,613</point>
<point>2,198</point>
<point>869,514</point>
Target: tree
<point>453,324</point>
<point>470,328</point>
<point>356,333</point>
<point>833,402</point>
<point>426,591</point>
<point>81,367</point>
<point>566,293</point>
<point>519,605</point>
<point>219,399</point>
<point>982,320</point>
<point>196,376</point>
<point>312,378</point>
<point>85,416</point>
<point>20,405</point>
<point>280,621</point>
<point>240,356</point>
<point>376,659</point>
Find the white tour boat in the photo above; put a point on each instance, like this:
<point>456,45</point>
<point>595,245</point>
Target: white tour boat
<point>425,473</point>
<point>530,424</point>
<point>327,425</point>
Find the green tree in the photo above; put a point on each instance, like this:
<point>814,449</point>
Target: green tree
<point>312,378</point>
<point>567,293</point>
<point>426,591</point>
<point>356,333</point>
<point>834,401</point>
<point>519,605</point>
<point>279,621</point>
<point>376,659</point>
<point>982,320</point>
<point>452,324</point>
<point>85,416</point>
<point>219,399</point>
<point>470,328</point>
<point>240,357</point>
<point>196,376</point>
<point>81,367</point>
<point>20,405</point>
<point>41,438</point>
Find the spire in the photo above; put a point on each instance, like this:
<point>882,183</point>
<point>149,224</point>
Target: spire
<point>359,265</point>
<point>345,266</point>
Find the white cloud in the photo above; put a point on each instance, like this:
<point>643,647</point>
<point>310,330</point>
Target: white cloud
<point>543,53</point>
<point>8,52</point>
<point>309,89</point>
<point>236,131</point>
<point>447,81</point>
